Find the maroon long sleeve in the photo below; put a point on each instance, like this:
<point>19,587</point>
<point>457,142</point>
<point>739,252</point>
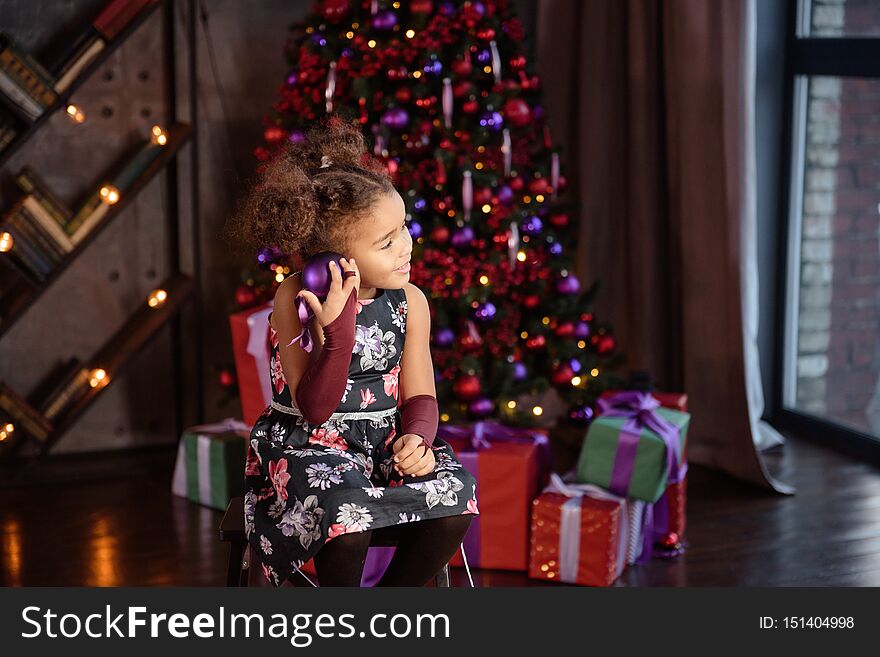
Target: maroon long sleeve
<point>420,415</point>
<point>321,387</point>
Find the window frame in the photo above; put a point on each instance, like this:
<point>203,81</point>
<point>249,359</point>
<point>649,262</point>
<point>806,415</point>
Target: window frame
<point>808,56</point>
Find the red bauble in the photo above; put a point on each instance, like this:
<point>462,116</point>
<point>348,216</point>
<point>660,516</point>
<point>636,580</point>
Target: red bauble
<point>565,330</point>
<point>245,296</point>
<point>462,88</point>
<point>517,112</point>
<point>334,10</point>
<point>536,342</point>
<point>470,106</point>
<point>516,184</point>
<point>559,220</point>
<point>482,195</point>
<point>562,375</point>
<point>273,134</point>
<point>440,235</point>
<point>486,34</point>
<point>517,63</point>
<point>421,6</point>
<point>605,345</point>
<point>462,67</point>
<point>226,378</point>
<point>403,94</point>
<point>467,387</point>
<point>670,540</point>
<point>539,186</point>
<point>532,301</point>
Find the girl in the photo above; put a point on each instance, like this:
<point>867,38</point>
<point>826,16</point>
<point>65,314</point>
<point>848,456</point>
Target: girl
<point>348,445</point>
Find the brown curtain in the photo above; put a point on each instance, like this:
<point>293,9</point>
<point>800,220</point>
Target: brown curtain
<point>651,103</point>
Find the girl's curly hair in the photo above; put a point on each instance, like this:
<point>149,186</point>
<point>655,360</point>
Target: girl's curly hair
<point>302,207</point>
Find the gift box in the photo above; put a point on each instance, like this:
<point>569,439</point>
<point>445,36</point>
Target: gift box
<point>677,401</point>
<point>252,350</point>
<point>210,463</point>
<point>669,516</point>
<point>634,448</point>
<point>511,465</point>
<point>581,534</point>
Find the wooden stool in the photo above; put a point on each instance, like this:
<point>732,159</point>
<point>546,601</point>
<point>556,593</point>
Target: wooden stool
<point>239,568</point>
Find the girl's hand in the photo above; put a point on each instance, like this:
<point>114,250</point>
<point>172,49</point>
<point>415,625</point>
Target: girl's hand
<point>337,296</point>
<point>411,456</point>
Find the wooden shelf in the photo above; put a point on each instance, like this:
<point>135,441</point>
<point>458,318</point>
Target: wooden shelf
<point>64,97</point>
<point>143,325</point>
<point>16,303</point>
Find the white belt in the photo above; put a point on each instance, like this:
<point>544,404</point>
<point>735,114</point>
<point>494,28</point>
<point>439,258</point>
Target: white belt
<point>356,415</point>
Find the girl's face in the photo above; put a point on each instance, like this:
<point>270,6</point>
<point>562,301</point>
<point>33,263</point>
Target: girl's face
<point>383,246</point>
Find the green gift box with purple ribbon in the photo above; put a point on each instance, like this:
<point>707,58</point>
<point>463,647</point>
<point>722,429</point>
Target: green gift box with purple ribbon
<point>634,447</point>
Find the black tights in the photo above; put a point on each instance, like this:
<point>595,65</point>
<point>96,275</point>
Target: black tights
<point>423,548</point>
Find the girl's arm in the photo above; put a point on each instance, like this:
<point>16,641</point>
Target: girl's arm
<point>418,408</point>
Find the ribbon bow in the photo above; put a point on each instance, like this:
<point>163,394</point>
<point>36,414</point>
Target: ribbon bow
<point>227,424</point>
<point>639,407</point>
<point>304,310</point>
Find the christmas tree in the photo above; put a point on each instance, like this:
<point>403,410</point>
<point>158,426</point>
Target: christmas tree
<point>450,103</point>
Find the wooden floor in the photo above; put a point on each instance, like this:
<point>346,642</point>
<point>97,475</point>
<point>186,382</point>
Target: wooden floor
<point>114,522</point>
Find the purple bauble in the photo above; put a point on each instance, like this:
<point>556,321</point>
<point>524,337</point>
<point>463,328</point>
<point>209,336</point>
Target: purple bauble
<point>318,39</point>
<point>434,68</point>
<point>316,273</point>
<point>447,9</point>
<point>492,120</point>
<point>481,407</point>
<point>292,78</point>
<point>297,137</point>
<point>347,52</point>
<point>415,230</point>
<point>505,194</point>
<point>556,248</point>
<point>396,118</point>
<point>463,237</point>
<point>537,113</point>
<point>484,56</point>
<point>520,372</point>
<point>533,226</point>
<point>568,285</point>
<point>581,414</point>
<point>479,8</point>
<point>444,337</point>
<point>485,311</point>
<point>582,330</point>
<point>385,20</point>
<point>575,365</point>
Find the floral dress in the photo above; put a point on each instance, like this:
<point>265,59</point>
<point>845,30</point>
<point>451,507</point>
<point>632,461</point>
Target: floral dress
<point>305,483</point>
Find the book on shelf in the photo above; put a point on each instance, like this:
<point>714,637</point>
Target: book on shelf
<point>30,182</point>
<point>7,43</point>
<point>37,235</point>
<point>71,385</point>
<point>117,15</point>
<point>24,414</point>
<point>48,223</point>
<point>19,99</point>
<point>136,166</point>
<point>8,132</point>
<point>25,242</point>
<point>25,77</point>
<point>71,73</point>
<point>88,216</point>
<point>19,263</point>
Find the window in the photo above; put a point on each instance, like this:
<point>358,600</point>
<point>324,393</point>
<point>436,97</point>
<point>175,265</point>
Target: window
<point>830,338</point>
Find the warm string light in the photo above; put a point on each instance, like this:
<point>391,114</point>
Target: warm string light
<point>109,194</point>
<point>156,298</point>
<point>75,113</point>
<point>98,378</point>
<point>158,135</point>
<point>537,410</point>
<point>6,431</point>
<point>6,242</point>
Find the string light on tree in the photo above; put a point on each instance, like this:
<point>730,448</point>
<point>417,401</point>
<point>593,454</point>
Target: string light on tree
<point>6,242</point>
<point>6,431</point>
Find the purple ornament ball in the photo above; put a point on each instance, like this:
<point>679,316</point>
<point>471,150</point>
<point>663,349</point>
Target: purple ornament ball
<point>444,337</point>
<point>505,194</point>
<point>581,414</point>
<point>415,230</point>
<point>492,120</point>
<point>520,372</point>
<point>396,118</point>
<point>297,137</point>
<point>582,330</point>
<point>316,273</point>
<point>463,237</point>
<point>485,311</point>
<point>568,285</point>
<point>481,407</point>
<point>292,78</point>
<point>533,226</point>
<point>385,20</point>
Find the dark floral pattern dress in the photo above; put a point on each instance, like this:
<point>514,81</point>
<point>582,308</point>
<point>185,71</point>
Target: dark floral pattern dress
<point>305,484</point>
